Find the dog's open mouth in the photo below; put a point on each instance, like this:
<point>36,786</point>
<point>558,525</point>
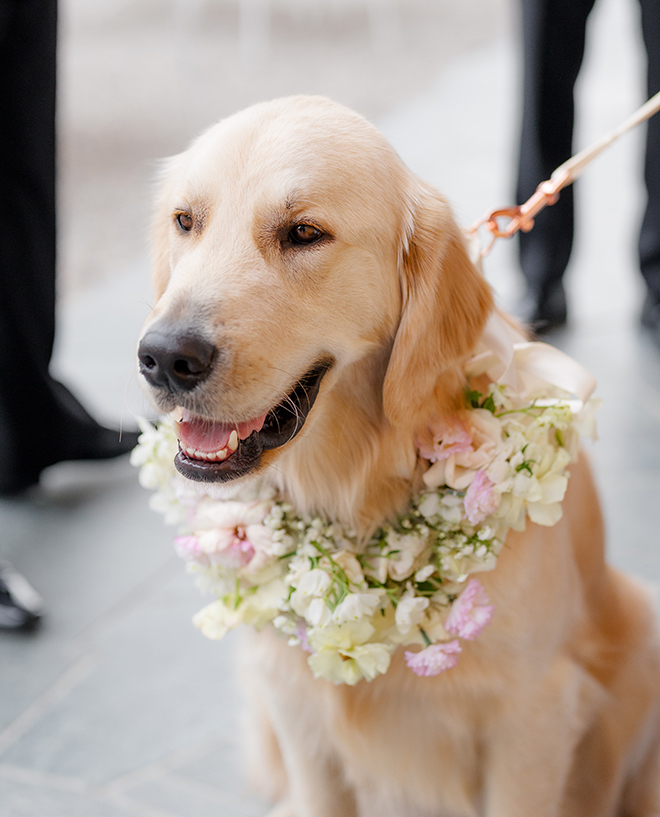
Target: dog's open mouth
<point>212,451</point>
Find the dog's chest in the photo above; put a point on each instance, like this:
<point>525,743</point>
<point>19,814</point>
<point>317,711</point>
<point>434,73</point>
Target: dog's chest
<point>405,744</point>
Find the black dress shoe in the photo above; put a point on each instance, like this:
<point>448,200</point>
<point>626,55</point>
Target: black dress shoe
<point>650,317</point>
<point>78,441</point>
<point>545,309</point>
<point>20,604</point>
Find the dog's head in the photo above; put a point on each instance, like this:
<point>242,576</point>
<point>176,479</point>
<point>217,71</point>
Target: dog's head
<point>292,246</point>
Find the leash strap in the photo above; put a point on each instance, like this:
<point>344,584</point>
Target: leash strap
<point>547,193</point>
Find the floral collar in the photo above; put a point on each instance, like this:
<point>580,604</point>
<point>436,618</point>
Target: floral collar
<point>349,603</point>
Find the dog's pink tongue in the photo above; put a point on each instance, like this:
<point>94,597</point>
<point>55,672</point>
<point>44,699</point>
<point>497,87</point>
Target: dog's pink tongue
<point>208,436</point>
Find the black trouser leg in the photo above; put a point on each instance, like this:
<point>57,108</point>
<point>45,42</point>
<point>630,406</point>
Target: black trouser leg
<point>41,422</point>
<point>649,238</point>
<point>27,249</point>
<point>554,34</point>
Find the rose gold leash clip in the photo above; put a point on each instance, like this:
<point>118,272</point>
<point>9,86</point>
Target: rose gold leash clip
<point>547,193</point>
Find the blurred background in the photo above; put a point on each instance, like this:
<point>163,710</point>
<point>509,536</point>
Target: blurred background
<point>116,705</point>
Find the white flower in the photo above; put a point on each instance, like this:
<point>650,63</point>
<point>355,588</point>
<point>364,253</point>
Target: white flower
<point>350,565</point>
<point>356,606</point>
<point>553,487</point>
<point>545,514</point>
<point>318,613</point>
<point>585,422</point>
<point>557,416</point>
<point>314,583</point>
<point>425,573</point>
<point>430,505</point>
<point>231,514</point>
<point>376,567</point>
<point>405,549</point>
<point>298,567</point>
<point>282,544</point>
<point>409,611</point>
<point>154,454</point>
<point>511,512</point>
<point>451,509</point>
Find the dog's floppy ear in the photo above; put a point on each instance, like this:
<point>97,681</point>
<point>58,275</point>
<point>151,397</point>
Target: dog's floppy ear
<point>445,304</point>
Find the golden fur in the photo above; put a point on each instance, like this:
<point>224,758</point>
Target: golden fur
<point>554,709</point>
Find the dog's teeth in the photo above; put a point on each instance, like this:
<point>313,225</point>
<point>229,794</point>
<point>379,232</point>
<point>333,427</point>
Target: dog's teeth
<point>233,441</point>
<point>207,456</point>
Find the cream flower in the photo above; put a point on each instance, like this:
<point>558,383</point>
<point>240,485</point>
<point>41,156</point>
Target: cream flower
<point>216,619</point>
<point>258,609</point>
<point>350,666</point>
<point>343,656</point>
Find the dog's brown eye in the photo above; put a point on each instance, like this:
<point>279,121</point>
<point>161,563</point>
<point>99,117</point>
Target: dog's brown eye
<point>185,221</point>
<point>304,234</point>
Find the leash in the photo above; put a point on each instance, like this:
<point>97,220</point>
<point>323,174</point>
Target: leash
<point>547,193</point>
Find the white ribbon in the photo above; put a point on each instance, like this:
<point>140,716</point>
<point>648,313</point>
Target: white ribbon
<point>506,357</point>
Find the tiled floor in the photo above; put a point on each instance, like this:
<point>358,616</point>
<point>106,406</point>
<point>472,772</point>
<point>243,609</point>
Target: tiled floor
<point>117,706</point>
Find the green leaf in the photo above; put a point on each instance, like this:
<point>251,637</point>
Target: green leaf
<point>489,404</point>
<point>473,397</point>
<point>427,640</point>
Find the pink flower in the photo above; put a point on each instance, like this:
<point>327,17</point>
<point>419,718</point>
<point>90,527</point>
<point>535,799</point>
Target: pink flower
<point>470,613</point>
<point>458,458</point>
<point>481,499</point>
<point>443,441</point>
<point>434,659</point>
<point>239,552</point>
<point>235,536</point>
<point>301,634</point>
<point>187,548</point>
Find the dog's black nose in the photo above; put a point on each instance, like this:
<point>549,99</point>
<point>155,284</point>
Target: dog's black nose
<point>175,361</point>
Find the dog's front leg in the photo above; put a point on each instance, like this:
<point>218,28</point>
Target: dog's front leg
<point>282,691</point>
<point>531,744</point>
<point>316,787</point>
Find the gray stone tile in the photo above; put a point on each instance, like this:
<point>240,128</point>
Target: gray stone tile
<point>184,797</point>
<point>31,664</point>
<point>85,541</point>
<point>159,687</point>
<point>30,800</point>
<point>222,769</point>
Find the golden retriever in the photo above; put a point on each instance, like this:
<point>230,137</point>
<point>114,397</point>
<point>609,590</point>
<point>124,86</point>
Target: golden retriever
<point>303,273</point>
